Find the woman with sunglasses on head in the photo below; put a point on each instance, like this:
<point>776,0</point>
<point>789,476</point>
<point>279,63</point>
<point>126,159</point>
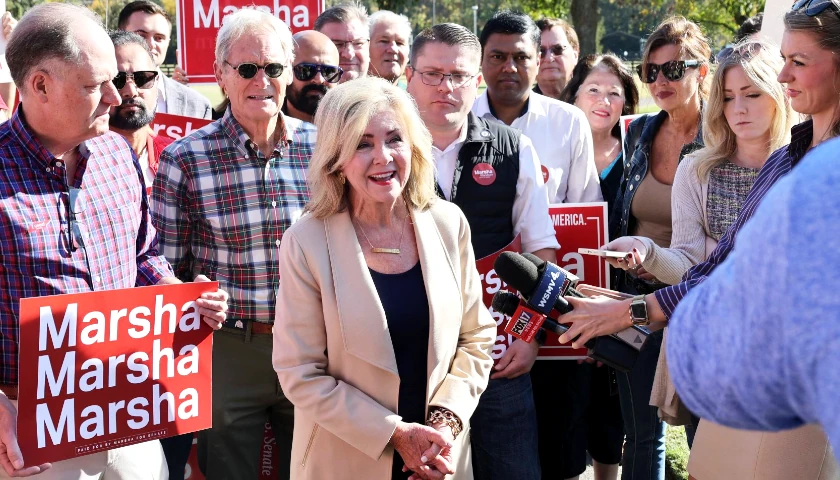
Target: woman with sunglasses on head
<point>811,72</point>
<point>747,117</point>
<point>674,68</point>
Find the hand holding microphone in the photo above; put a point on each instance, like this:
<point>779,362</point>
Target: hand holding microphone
<point>542,286</point>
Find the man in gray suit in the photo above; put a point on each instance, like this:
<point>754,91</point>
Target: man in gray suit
<point>150,21</point>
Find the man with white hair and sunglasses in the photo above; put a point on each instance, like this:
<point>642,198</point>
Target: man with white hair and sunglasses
<point>222,199</point>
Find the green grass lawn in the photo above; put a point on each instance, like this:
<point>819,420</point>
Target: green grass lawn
<point>676,454</point>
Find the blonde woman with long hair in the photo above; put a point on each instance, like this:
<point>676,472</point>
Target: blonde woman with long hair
<point>748,116</point>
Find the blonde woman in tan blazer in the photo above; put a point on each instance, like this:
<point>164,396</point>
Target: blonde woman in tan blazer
<point>380,327</point>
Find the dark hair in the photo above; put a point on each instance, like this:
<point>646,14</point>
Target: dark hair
<point>750,26</point>
<point>342,14</point>
<point>825,28</point>
<point>510,22</point>
<point>145,6</point>
<point>546,24</point>
<point>42,34</point>
<point>450,34</point>
<point>615,66</point>
<point>121,37</point>
<point>686,35</point>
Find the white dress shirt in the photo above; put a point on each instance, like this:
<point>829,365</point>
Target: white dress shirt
<point>562,138</point>
<point>530,207</point>
<point>161,100</point>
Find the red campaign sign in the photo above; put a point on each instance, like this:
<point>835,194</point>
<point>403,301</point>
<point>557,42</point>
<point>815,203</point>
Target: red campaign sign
<point>199,21</point>
<point>102,370</point>
<point>176,126</point>
<point>578,225</point>
<point>490,284</point>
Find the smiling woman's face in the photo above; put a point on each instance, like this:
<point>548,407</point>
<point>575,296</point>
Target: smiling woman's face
<point>601,97</point>
<point>379,169</point>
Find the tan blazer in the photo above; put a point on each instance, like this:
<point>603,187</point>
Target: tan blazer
<point>333,353</point>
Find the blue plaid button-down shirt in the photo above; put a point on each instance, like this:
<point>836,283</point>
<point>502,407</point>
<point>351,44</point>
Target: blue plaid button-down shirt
<point>221,207</point>
<point>36,253</point>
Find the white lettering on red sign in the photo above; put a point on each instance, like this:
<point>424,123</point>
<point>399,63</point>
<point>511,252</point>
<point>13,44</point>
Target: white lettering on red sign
<point>209,17</point>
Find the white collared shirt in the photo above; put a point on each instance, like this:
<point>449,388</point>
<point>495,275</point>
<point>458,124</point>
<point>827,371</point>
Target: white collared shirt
<point>161,100</point>
<point>563,140</point>
<point>530,207</point>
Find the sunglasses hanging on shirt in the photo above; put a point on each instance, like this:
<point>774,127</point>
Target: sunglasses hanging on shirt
<point>672,71</point>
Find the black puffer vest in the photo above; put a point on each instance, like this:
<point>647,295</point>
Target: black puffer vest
<point>488,208</point>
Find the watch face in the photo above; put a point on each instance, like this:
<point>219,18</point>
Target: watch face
<point>639,310</point>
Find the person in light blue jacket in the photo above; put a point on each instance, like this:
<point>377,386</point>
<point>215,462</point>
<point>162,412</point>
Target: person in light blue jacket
<point>757,345</point>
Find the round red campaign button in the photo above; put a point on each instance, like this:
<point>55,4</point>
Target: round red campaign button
<point>484,174</point>
<point>545,173</point>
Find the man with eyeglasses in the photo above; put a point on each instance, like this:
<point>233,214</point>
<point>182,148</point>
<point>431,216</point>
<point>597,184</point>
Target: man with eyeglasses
<point>443,80</point>
<point>73,209</point>
<point>136,83</point>
<point>559,50</point>
<point>347,26</point>
<point>563,140</point>
<point>222,200</point>
<point>316,71</point>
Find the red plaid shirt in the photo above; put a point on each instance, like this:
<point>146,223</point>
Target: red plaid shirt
<point>35,256</point>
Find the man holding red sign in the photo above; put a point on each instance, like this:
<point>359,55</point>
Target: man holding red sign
<point>73,209</point>
<point>490,171</point>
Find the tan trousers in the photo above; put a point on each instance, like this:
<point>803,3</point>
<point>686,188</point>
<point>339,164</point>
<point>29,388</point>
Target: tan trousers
<point>722,453</point>
<point>143,461</point>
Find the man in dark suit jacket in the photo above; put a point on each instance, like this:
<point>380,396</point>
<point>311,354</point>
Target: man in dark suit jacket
<point>151,22</point>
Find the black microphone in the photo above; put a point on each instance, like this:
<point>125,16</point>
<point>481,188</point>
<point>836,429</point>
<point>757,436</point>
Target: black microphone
<point>635,336</point>
<point>608,350</point>
<point>543,290</point>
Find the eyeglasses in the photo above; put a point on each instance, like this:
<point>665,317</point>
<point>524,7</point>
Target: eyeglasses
<point>555,50</point>
<point>815,7</point>
<point>742,51</point>
<point>673,70</point>
<point>356,44</point>
<point>307,71</point>
<point>433,79</point>
<point>143,80</point>
<point>249,70</point>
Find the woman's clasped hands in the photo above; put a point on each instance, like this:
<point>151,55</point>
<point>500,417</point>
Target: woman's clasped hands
<point>426,451</point>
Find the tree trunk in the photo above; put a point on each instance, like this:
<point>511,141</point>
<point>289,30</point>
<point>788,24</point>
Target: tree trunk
<point>585,16</point>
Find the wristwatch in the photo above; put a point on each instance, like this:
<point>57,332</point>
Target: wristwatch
<point>638,311</point>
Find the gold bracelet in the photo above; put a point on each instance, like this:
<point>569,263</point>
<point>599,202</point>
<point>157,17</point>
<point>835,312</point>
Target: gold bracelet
<point>446,417</point>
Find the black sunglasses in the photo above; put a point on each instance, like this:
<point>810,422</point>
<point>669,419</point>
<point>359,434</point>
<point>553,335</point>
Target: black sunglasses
<point>144,79</point>
<point>248,70</point>
<point>673,70</point>
<point>816,7</point>
<point>307,71</point>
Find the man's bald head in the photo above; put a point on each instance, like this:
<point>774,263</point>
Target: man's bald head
<point>316,55</point>
<point>51,31</point>
<point>310,43</point>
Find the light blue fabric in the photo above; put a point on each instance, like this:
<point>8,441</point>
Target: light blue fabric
<point>757,345</point>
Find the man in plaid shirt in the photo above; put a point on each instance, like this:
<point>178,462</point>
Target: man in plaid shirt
<point>221,201</point>
<point>73,209</point>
